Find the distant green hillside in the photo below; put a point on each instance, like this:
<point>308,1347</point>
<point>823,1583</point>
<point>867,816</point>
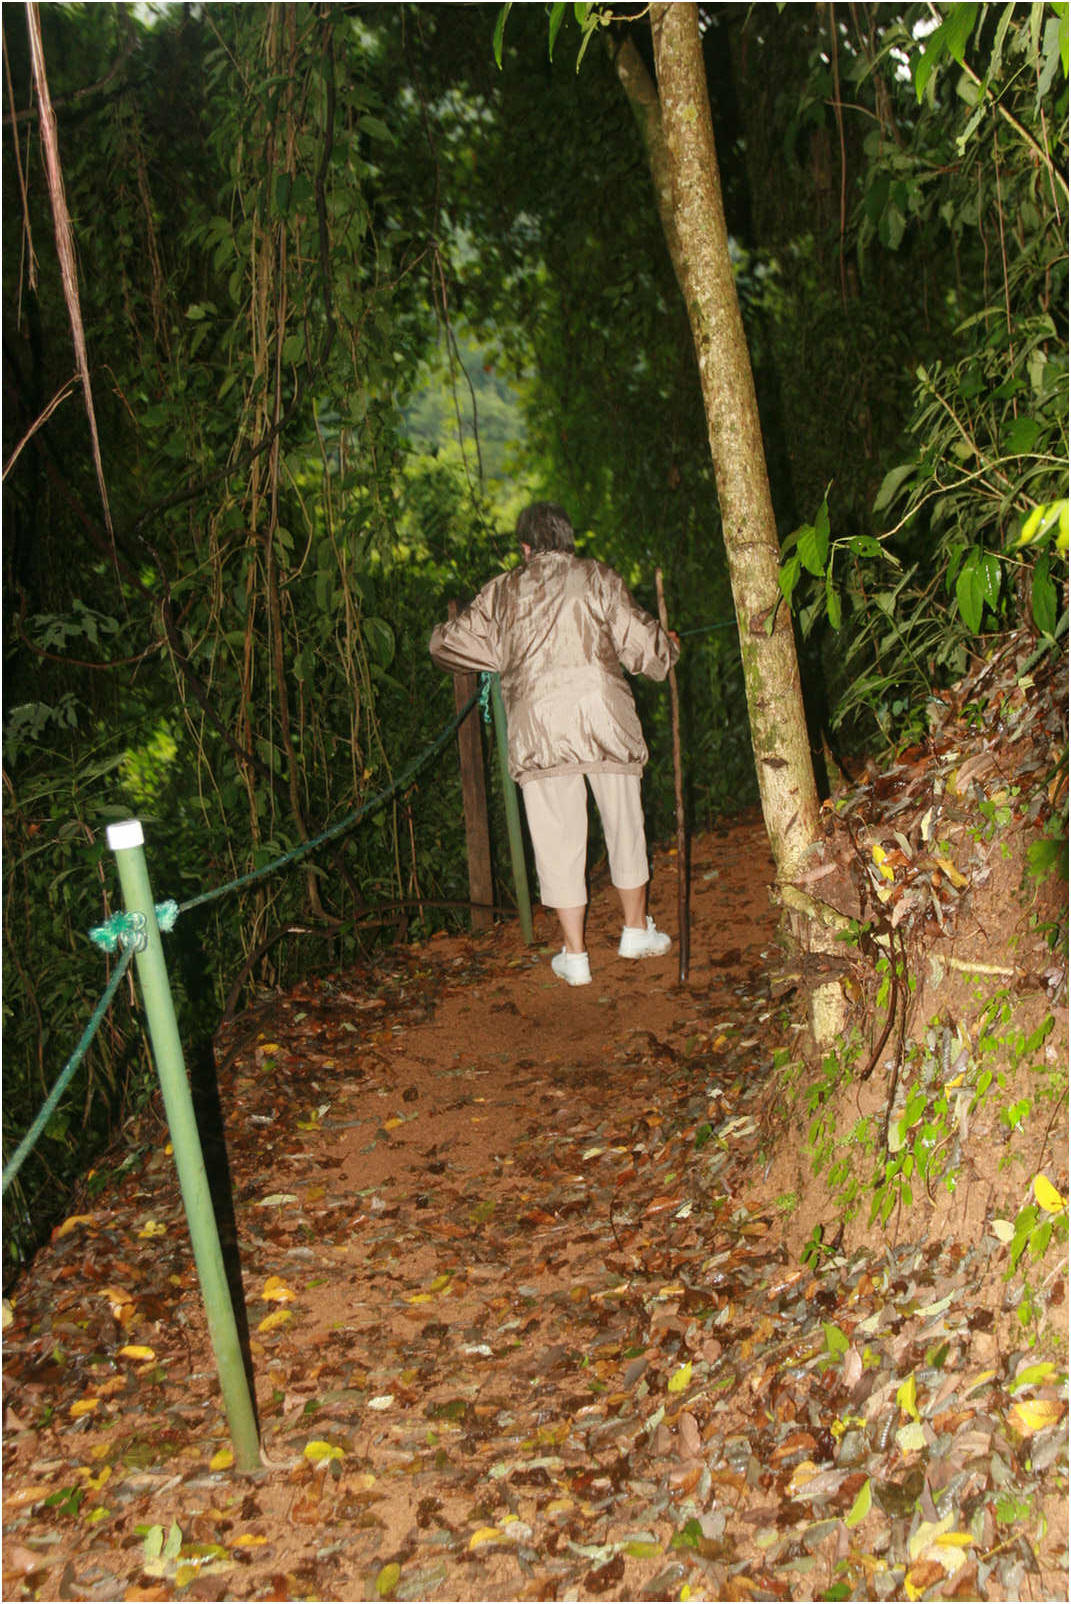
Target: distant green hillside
<point>488,406</point>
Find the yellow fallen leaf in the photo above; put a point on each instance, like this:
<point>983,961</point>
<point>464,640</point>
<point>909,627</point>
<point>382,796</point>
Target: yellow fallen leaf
<point>83,1406</point>
<point>278,1317</point>
<point>906,1396</point>
<point>392,1123</point>
<point>927,1532</point>
<point>804,1472</point>
<point>71,1223</point>
<point>949,869</point>
<point>135,1350</point>
<point>152,1228</point>
<point>94,1483</point>
<point>1047,1195</point>
<point>1034,1414</point>
<point>27,1495</point>
<point>558,1506</point>
<point>116,1296</point>
<point>954,1540</point>
<point>276,1290</point>
<point>249,1540</point>
<point>680,1378</point>
<point>861,1508</point>
<point>318,1452</point>
<point>485,1534</point>
<point>222,1459</point>
<point>419,1297</point>
<point>387,1580</point>
<point>880,855</point>
<point>440,1282</point>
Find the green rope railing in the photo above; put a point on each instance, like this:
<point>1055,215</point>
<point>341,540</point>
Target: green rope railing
<point>408,773</point>
<point>33,1135</point>
<point>126,930</point>
<point>703,629</point>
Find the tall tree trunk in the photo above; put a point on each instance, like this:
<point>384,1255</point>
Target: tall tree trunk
<point>679,136</point>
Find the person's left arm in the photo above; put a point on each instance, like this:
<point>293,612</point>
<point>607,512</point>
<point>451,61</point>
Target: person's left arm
<point>469,641</point>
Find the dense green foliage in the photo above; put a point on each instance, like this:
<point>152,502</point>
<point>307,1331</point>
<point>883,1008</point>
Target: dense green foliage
<point>955,217</point>
<point>352,294</point>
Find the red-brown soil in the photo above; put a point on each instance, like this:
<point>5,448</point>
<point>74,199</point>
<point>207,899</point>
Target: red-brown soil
<point>523,1314</point>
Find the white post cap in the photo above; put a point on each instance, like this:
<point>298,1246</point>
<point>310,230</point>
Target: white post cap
<point>127,834</point>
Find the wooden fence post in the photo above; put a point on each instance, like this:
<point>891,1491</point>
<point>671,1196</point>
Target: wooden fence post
<point>474,797</point>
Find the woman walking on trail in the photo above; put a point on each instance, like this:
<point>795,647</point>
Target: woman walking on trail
<point>558,630</point>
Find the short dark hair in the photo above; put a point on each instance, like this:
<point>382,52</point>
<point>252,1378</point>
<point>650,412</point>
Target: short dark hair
<point>545,527</point>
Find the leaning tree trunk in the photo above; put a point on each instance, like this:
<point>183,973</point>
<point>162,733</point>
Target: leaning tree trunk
<point>679,135</point>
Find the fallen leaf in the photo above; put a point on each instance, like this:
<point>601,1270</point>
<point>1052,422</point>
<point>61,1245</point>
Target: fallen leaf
<point>387,1580</point>
<point>134,1351</point>
<point>277,1318</point>
<point>83,1406</point>
<point>927,1532</point>
<point>880,858</point>
<point>222,1459</point>
<point>1034,1414</point>
<point>949,869</point>
<point>680,1378</point>
<point>276,1290</point>
<point>1047,1195</point>
<point>320,1453</point>
<point>861,1507</point>
<point>22,1496</point>
<point>71,1223</point>
<point>921,1577</point>
<point>906,1396</point>
<point>485,1534</point>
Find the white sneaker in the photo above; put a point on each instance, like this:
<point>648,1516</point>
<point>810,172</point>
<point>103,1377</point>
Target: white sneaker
<point>648,943</point>
<point>572,967</point>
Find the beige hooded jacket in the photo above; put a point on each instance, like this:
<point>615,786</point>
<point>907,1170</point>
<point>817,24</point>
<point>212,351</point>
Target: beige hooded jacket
<point>558,630</point>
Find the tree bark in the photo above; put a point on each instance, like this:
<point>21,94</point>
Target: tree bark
<point>679,136</point>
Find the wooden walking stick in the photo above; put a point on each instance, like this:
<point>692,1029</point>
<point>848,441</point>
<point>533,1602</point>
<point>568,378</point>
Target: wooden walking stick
<point>682,846</point>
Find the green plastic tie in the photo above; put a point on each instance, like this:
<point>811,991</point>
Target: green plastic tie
<point>485,696</point>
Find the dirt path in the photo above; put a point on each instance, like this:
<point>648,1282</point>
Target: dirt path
<point>521,1317</point>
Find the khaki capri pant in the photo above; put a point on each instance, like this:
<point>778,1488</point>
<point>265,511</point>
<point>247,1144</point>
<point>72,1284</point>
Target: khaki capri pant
<point>557,810</point>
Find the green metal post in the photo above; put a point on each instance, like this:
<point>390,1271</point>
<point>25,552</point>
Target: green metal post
<point>127,841</point>
<point>513,814</point>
